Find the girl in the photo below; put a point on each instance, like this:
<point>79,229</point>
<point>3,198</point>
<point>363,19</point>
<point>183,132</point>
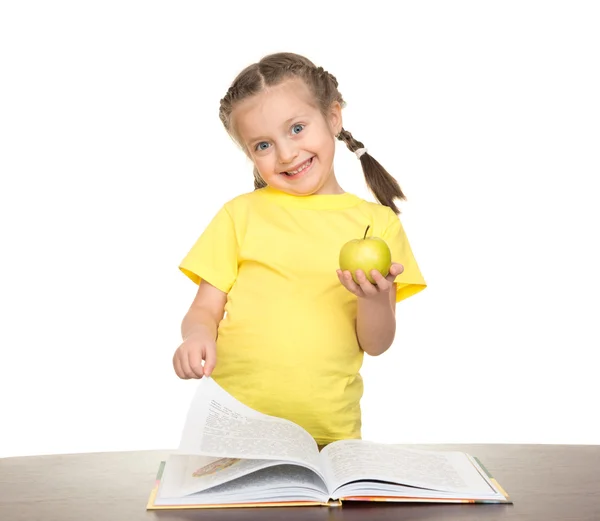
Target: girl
<point>274,321</point>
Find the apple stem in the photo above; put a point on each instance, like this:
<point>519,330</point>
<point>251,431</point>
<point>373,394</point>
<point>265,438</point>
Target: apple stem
<point>366,231</point>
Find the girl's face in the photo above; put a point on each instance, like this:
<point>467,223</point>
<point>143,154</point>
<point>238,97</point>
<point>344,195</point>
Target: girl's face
<point>289,140</point>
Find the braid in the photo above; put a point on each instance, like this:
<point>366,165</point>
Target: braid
<point>383,186</point>
<point>259,182</point>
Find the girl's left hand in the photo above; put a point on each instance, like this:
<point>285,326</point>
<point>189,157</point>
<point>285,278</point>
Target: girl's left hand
<point>364,289</point>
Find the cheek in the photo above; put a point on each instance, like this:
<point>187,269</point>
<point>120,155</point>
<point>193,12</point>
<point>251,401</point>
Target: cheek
<point>264,164</point>
<point>328,150</point>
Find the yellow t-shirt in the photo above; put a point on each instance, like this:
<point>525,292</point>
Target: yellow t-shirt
<point>287,345</point>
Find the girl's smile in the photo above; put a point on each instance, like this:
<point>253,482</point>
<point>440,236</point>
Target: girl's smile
<point>300,170</point>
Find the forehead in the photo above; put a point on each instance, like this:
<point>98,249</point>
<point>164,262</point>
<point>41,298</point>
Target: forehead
<point>266,112</point>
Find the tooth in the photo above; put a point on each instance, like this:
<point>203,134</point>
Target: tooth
<point>293,172</point>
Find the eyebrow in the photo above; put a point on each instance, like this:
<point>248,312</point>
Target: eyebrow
<point>285,124</point>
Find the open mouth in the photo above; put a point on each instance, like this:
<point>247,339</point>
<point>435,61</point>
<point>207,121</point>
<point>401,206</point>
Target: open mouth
<point>303,168</point>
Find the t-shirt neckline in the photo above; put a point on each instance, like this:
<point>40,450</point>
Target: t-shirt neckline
<point>315,201</point>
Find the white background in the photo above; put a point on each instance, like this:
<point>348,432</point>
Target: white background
<point>113,159</point>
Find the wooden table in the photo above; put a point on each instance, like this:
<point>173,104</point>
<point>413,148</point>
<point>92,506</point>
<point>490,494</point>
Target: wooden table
<point>545,482</point>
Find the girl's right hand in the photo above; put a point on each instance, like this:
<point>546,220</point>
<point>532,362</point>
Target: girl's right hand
<point>188,357</point>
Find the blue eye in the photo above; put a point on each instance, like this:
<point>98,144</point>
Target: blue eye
<point>299,126</point>
<point>259,147</point>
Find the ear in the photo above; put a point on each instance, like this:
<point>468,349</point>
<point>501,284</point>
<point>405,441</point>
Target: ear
<point>335,118</point>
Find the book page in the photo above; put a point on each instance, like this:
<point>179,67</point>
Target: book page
<point>353,460</point>
<point>185,474</point>
<point>274,483</point>
<point>218,425</point>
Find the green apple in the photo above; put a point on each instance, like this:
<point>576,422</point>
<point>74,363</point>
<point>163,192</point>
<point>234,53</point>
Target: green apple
<point>368,253</point>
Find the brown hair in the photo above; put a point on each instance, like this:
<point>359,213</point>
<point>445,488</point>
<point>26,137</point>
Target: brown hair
<point>274,69</point>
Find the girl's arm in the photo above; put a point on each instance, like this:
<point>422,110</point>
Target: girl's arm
<point>199,333</point>
<point>376,313</point>
<point>376,322</point>
<point>206,311</point>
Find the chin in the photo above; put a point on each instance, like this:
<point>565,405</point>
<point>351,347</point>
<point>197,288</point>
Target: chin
<point>311,189</point>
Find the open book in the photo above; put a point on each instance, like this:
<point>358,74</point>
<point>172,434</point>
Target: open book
<point>232,456</point>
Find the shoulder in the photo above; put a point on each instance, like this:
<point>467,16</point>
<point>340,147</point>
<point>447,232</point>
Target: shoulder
<point>237,211</point>
<point>236,205</point>
<point>379,213</point>
<point>383,220</point>
<point>244,201</point>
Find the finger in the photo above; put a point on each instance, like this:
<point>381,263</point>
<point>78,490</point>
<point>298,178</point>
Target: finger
<point>177,366</point>
<point>195,363</point>
<point>351,286</point>
<point>383,283</point>
<point>366,286</point>
<point>344,281</point>
<point>395,270</point>
<point>210,359</point>
<point>185,365</point>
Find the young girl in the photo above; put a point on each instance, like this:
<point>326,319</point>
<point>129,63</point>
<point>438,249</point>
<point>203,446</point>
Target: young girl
<point>275,321</point>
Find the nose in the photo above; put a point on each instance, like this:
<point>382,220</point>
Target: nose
<point>287,153</point>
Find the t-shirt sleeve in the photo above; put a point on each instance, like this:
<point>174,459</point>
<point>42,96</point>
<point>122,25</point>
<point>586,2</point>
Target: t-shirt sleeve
<point>410,281</point>
<point>214,256</point>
